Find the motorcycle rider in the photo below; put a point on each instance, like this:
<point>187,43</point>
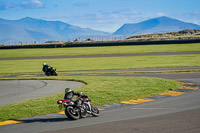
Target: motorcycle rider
<point>46,67</point>
<point>69,96</point>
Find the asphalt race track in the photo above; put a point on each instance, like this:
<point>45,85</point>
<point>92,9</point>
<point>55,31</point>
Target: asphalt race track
<point>12,91</point>
<point>167,114</point>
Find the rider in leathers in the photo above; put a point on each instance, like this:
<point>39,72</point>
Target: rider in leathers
<point>69,96</point>
<point>46,67</point>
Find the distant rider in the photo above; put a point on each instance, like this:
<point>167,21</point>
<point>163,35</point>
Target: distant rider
<point>46,67</point>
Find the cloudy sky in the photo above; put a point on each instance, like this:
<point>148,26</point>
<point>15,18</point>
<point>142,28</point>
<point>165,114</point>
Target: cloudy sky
<point>106,15</point>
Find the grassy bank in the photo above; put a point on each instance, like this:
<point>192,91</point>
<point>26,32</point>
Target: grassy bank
<point>30,66</point>
<point>98,50</point>
<point>102,90</point>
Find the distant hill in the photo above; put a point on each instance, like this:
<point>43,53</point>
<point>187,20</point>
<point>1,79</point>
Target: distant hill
<point>180,35</point>
<point>155,25</point>
<point>30,29</point>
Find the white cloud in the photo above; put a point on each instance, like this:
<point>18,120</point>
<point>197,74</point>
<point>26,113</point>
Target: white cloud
<point>161,14</point>
<point>196,22</point>
<point>32,4</point>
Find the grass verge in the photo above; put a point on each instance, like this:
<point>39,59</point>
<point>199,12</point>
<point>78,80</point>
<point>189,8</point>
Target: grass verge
<point>98,50</point>
<point>102,90</point>
<point>32,66</point>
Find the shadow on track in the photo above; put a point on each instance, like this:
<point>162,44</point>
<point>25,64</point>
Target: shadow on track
<point>44,120</point>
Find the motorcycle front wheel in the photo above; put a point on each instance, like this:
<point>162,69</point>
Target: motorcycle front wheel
<point>95,111</point>
<point>72,113</point>
<point>55,73</point>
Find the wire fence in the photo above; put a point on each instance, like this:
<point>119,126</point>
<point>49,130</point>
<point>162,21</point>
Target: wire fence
<point>74,39</point>
<point>94,39</point>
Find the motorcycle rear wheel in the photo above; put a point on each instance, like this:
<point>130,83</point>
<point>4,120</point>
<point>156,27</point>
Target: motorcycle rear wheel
<point>47,74</point>
<point>72,113</point>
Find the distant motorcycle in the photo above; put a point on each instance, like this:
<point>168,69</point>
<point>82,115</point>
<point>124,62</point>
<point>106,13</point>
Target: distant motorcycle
<point>51,72</point>
<point>48,70</point>
<point>73,112</point>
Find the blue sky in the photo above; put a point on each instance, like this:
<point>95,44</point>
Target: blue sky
<point>106,15</point>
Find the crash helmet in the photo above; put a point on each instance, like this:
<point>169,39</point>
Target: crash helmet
<point>67,90</point>
<point>44,64</point>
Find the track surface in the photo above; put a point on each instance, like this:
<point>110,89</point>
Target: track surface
<point>12,91</point>
<point>178,114</point>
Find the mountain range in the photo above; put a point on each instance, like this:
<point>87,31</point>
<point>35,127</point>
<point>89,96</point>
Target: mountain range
<point>29,30</point>
<point>156,25</point>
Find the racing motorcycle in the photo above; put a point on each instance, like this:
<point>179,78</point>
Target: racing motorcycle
<point>50,72</point>
<point>74,112</point>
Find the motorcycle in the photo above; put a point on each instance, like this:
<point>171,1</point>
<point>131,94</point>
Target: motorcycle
<point>74,112</point>
<point>51,72</point>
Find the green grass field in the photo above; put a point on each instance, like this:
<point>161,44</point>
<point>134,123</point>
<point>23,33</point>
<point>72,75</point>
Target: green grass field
<point>98,50</point>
